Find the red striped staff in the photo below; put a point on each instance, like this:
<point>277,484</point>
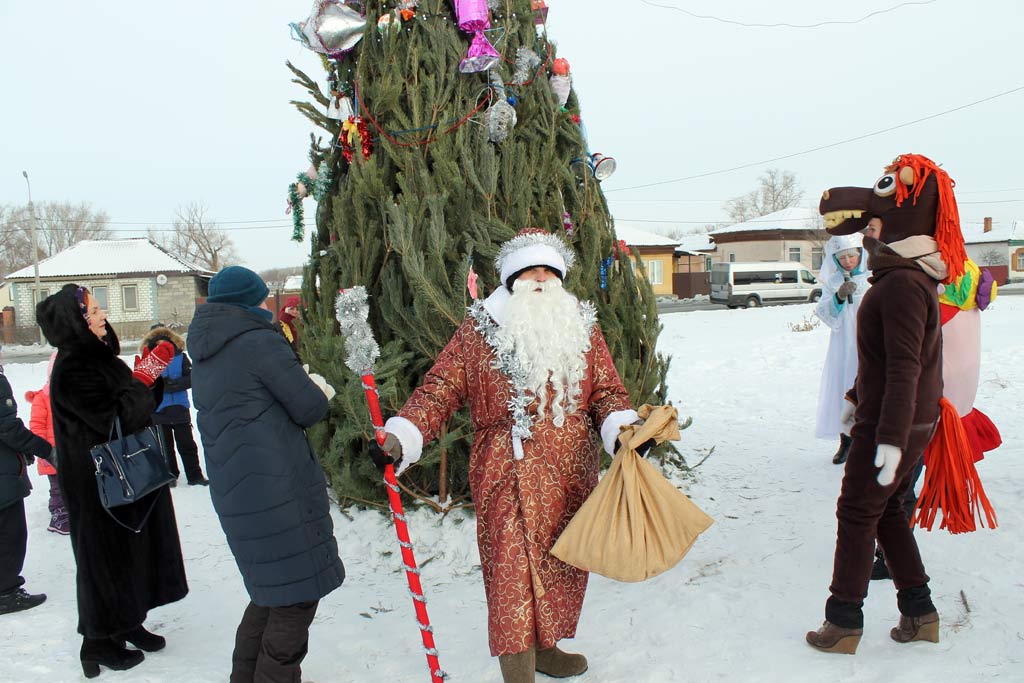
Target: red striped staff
<point>361,350</point>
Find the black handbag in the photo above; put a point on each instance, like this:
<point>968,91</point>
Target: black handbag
<point>130,467</point>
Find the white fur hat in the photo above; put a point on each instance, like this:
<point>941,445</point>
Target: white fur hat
<point>533,247</point>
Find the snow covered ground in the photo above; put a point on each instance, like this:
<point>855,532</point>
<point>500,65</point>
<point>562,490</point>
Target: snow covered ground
<point>735,609</point>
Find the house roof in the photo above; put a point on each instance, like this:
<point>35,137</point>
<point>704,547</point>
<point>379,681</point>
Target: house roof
<point>793,218</point>
<point>636,237</point>
<point>292,282</point>
<point>1002,231</point>
<point>111,257</point>
<point>696,244</point>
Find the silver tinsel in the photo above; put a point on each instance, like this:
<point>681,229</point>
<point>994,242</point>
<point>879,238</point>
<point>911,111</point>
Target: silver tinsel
<point>501,116</point>
<point>493,4</point>
<point>352,311</point>
<point>506,362</point>
<point>527,62</point>
<point>501,119</point>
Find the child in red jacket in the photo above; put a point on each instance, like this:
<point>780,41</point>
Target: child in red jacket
<point>41,424</point>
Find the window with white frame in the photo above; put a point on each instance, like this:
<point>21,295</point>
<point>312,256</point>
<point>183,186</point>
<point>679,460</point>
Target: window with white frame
<point>794,254</point>
<point>1020,260</point>
<point>130,297</point>
<point>732,257</point>
<point>100,294</point>
<point>817,256</point>
<point>40,294</point>
<point>654,272</point>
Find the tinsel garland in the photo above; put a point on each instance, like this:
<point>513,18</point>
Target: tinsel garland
<point>295,206</point>
<point>606,263</point>
<point>355,125</point>
<point>317,186</point>
<point>352,309</point>
<point>527,62</point>
<point>507,363</point>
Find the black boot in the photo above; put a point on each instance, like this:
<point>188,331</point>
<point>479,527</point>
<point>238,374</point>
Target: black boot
<point>844,450</point>
<point>879,570</point>
<point>141,638</point>
<point>20,599</point>
<point>97,651</point>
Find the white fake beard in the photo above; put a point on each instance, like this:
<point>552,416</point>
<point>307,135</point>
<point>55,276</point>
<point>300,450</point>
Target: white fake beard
<point>550,338</point>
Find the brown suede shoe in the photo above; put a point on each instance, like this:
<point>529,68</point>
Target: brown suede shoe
<point>832,638</point>
<point>557,664</point>
<point>917,628</point>
<point>519,667</point>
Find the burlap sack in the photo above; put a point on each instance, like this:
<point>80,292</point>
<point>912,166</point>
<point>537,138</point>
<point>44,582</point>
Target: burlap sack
<point>635,524</point>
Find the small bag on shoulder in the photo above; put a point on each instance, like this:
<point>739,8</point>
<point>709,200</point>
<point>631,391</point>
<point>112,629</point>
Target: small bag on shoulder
<point>128,468</point>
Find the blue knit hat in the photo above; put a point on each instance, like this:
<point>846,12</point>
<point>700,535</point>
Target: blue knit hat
<point>237,285</point>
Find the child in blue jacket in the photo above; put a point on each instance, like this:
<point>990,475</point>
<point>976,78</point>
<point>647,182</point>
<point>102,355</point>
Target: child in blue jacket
<point>173,414</point>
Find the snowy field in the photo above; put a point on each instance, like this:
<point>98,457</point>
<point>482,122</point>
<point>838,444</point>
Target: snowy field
<point>735,609</point>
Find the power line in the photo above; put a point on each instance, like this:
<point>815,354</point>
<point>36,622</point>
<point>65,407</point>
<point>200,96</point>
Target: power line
<point>994,201</point>
<point>708,17</point>
<point>821,147</point>
<point>1009,189</point>
<point>9,230</point>
<point>146,223</point>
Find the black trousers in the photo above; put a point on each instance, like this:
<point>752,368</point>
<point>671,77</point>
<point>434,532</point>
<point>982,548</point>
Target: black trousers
<point>13,542</point>
<point>271,643</point>
<point>182,434</point>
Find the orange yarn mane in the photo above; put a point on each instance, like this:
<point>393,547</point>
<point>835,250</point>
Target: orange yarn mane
<point>947,217</point>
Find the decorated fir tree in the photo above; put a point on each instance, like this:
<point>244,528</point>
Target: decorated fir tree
<point>441,146</point>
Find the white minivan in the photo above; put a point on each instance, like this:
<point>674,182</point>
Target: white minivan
<point>757,284</point>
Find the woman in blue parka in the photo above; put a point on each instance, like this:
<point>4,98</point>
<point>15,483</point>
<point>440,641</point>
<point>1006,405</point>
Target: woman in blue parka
<point>255,402</point>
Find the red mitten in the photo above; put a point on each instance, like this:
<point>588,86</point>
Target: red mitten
<point>152,363</point>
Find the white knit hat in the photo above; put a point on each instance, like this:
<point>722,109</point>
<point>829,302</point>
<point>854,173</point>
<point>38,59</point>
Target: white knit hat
<point>532,247</point>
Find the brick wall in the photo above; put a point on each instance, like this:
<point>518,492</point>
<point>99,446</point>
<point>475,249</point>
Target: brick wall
<point>173,303</point>
<point>176,301</point>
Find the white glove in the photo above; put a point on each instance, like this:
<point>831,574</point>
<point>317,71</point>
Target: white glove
<point>321,383</point>
<point>846,417</point>
<point>888,458</point>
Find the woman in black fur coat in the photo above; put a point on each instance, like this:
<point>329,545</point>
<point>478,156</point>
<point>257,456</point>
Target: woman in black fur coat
<point>121,575</point>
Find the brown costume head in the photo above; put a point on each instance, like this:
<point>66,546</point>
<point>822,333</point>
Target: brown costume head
<point>932,210</point>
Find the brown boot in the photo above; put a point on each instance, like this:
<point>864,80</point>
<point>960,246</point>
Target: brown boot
<point>557,664</point>
<point>832,638</point>
<point>519,667</point>
<point>917,628</point>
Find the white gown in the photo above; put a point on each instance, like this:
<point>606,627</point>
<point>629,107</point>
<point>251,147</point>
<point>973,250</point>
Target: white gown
<point>840,371</point>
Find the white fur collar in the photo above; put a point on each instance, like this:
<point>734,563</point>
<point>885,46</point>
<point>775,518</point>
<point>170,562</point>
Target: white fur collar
<point>496,305</point>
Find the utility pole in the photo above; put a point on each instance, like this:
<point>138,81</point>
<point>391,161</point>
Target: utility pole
<point>35,256</point>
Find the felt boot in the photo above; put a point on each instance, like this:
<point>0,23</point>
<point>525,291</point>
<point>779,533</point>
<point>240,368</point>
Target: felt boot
<point>557,664</point>
<point>832,638</point>
<point>519,667</point>
<point>917,628</point>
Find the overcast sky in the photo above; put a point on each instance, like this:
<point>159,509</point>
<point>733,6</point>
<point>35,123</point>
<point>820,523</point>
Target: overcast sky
<point>140,107</point>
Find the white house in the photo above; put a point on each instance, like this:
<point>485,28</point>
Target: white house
<point>793,234</point>
<point>136,280</point>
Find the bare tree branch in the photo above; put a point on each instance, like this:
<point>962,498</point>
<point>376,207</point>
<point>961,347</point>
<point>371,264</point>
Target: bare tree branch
<point>59,225</point>
<point>197,239</point>
<point>777,190</point>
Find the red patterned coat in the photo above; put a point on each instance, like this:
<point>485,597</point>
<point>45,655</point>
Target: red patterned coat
<point>522,504</point>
